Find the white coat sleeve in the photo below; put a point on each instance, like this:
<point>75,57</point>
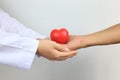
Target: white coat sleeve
<point>18,44</point>
<point>10,24</point>
<point>17,51</point>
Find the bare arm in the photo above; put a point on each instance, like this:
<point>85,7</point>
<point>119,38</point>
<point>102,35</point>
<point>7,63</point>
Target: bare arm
<point>110,35</point>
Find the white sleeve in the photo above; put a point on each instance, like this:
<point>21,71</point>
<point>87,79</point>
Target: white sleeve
<point>10,24</point>
<point>17,51</point>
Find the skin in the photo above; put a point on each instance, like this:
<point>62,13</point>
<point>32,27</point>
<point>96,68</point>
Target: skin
<point>107,36</point>
<point>53,51</point>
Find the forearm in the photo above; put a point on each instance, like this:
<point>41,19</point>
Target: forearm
<point>110,35</point>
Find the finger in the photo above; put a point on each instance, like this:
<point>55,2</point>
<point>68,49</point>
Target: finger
<point>72,55</point>
<point>65,57</point>
<point>61,59</point>
<point>69,54</point>
<point>66,47</point>
<point>72,47</point>
<point>61,48</point>
<point>57,58</point>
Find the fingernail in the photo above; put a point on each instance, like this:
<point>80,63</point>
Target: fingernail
<point>67,49</point>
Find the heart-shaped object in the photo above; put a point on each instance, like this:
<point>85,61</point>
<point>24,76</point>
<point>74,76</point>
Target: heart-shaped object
<point>60,36</point>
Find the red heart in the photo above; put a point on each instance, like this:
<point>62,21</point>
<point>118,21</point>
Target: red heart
<point>60,36</point>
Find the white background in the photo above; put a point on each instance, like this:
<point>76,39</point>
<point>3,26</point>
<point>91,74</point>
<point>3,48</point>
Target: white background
<point>79,17</point>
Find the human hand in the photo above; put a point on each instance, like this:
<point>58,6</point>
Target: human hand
<point>76,42</point>
<point>53,51</point>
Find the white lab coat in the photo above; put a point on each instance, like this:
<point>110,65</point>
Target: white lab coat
<point>18,44</point>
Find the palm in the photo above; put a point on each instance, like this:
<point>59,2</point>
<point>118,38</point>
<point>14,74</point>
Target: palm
<point>75,42</point>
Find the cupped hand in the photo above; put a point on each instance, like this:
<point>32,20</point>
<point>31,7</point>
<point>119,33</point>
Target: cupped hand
<point>54,51</point>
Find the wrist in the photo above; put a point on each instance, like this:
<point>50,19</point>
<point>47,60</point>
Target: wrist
<point>88,41</point>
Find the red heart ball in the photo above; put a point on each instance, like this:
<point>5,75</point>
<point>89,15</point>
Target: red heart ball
<point>60,36</point>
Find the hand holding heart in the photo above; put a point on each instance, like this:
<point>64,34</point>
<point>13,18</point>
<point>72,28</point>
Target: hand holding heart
<point>53,51</point>
<point>60,36</point>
